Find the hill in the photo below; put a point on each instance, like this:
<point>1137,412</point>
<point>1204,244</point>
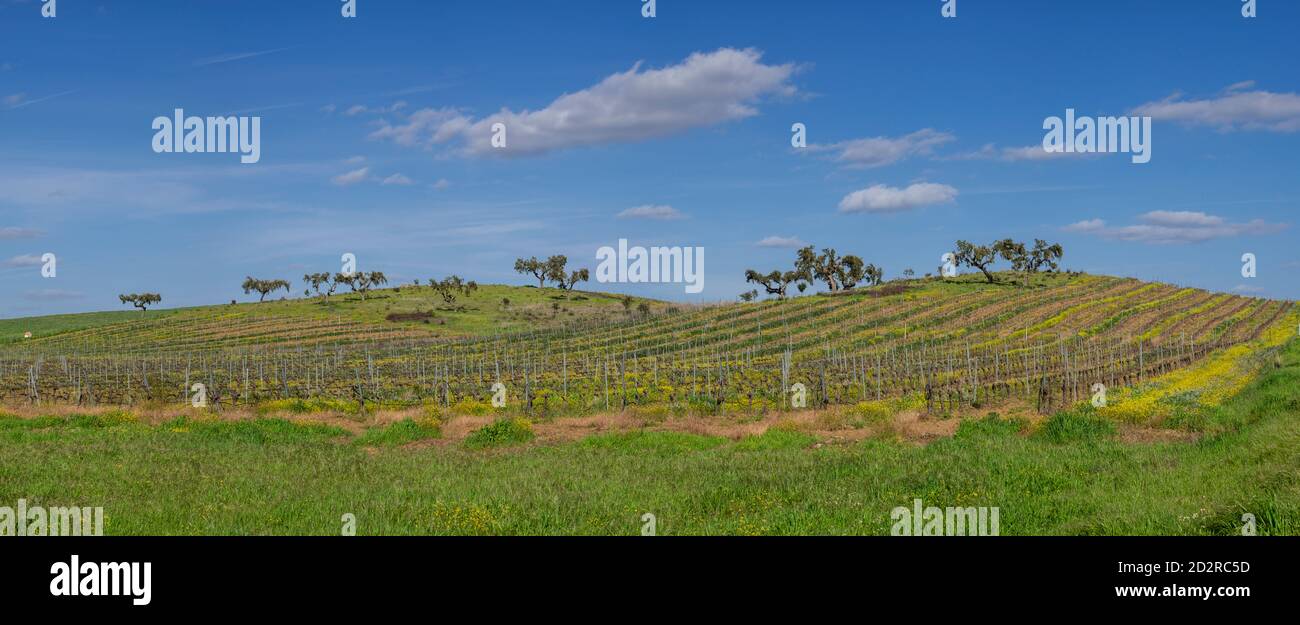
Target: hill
<point>406,312</point>
<point>941,345</point>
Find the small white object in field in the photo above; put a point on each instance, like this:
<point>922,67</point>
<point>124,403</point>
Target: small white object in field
<point>27,335</point>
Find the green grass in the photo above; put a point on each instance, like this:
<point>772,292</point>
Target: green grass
<point>503,432</point>
<point>775,439</point>
<point>653,443</point>
<point>401,433</point>
<point>484,312</point>
<point>12,330</point>
<point>1077,426</point>
<point>1069,476</point>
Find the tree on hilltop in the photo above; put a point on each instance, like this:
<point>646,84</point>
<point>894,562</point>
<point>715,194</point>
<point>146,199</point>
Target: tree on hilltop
<point>558,272</point>
<point>874,275</point>
<point>536,268</point>
<point>576,276</point>
<point>452,286</point>
<point>141,300</point>
<point>1026,261</point>
<point>980,257</point>
<point>775,283</point>
<point>1045,254</point>
<point>837,272</point>
<point>365,281</point>
<point>349,279</point>
<point>316,281</point>
<point>851,270</point>
<point>264,287</point>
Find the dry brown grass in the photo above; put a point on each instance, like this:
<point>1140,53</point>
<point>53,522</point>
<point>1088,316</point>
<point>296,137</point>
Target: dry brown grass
<point>833,425</point>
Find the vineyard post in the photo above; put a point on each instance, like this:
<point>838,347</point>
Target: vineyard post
<point>876,374</point>
<point>1141,362</point>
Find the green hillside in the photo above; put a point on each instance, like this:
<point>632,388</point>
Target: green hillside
<point>407,312</point>
<point>945,345</point>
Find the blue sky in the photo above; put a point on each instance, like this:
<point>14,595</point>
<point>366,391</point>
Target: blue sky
<point>372,139</point>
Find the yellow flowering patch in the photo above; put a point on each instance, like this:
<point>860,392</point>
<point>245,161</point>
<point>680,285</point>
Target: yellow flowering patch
<point>471,407</point>
<point>463,519</point>
<point>1214,379</point>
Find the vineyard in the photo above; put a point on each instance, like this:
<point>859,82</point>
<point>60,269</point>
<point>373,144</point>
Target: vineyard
<point>941,344</point>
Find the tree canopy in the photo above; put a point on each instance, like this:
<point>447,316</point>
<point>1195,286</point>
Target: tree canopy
<point>141,300</point>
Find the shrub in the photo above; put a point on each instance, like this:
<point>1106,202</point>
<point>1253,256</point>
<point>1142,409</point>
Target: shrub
<point>472,407</point>
<point>503,432</point>
<point>402,432</point>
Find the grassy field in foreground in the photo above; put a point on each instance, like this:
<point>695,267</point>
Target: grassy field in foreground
<point>1068,475</point>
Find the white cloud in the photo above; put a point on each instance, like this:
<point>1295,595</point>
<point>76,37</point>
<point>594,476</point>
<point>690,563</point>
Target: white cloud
<point>11,232</point>
<point>885,199</point>
<point>398,179</point>
<point>1169,227</point>
<point>781,242</point>
<point>352,177</point>
<point>441,184</point>
<point>424,127</point>
<point>26,260</point>
<point>704,90</point>
<point>237,56</point>
<point>1182,219</point>
<point>20,100</point>
<point>661,212</point>
<point>1013,154</point>
<point>52,295</point>
<point>1232,110</point>
<point>361,108</point>
<point>1086,226</point>
<point>881,151</point>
